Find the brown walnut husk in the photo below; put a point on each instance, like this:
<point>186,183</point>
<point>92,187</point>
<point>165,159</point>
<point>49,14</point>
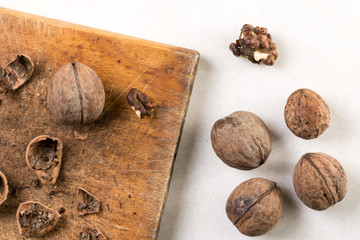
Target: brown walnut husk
<point>76,94</point>
<point>4,188</point>
<point>319,181</point>
<point>87,203</point>
<point>35,219</point>
<point>44,156</point>
<point>306,114</point>
<point>17,72</point>
<point>88,232</point>
<point>255,206</point>
<point>256,44</point>
<point>241,140</point>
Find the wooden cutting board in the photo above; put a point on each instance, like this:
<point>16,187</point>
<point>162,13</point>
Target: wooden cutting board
<point>125,161</point>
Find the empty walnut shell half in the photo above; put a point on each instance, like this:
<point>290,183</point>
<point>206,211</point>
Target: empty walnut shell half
<point>35,219</point>
<point>44,156</point>
<point>88,232</point>
<point>76,94</point>
<point>255,206</point>
<point>319,181</point>
<point>306,114</point>
<point>4,188</point>
<point>87,203</point>
<point>17,72</point>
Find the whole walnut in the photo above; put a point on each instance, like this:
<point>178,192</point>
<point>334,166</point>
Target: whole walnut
<point>319,180</point>
<point>306,114</point>
<point>76,94</point>
<point>255,206</point>
<point>241,140</point>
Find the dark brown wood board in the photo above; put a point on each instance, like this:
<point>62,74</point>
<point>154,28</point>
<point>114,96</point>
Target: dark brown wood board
<point>125,161</point>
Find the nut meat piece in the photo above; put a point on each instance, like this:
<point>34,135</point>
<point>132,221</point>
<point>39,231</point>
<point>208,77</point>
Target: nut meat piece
<point>319,181</point>
<point>306,114</point>
<point>4,188</point>
<point>44,156</point>
<point>87,232</point>
<point>17,72</point>
<point>76,94</point>
<point>255,206</point>
<point>87,202</point>
<point>35,219</point>
<point>241,140</point>
<point>140,103</point>
<point>255,44</point>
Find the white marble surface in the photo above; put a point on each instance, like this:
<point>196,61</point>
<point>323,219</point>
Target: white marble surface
<point>319,46</point>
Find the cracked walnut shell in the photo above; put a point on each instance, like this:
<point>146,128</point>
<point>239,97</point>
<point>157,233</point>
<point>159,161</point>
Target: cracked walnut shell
<point>255,206</point>
<point>44,157</point>
<point>241,140</point>
<point>4,188</point>
<point>35,219</point>
<point>306,114</point>
<point>76,94</point>
<point>319,181</point>
<point>256,44</point>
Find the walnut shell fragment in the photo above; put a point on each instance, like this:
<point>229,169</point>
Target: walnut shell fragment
<point>306,114</point>
<point>44,156</point>
<point>256,44</point>
<point>87,203</point>
<point>241,140</point>
<point>319,181</point>
<point>76,94</point>
<point>35,219</point>
<point>88,232</point>
<point>17,72</point>
<point>4,188</point>
<point>255,206</point>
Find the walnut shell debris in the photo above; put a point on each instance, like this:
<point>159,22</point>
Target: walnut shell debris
<point>35,219</point>
<point>87,203</point>
<point>319,180</point>
<point>17,72</point>
<point>44,157</point>
<point>76,94</point>
<point>256,44</point>
<point>255,206</point>
<point>4,188</point>
<point>241,140</point>
<point>306,114</point>
<point>88,232</point>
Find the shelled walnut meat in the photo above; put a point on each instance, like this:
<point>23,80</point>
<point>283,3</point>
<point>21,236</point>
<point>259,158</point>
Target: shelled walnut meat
<point>319,180</point>
<point>306,114</point>
<point>140,103</point>
<point>256,44</point>
<point>35,219</point>
<point>44,157</point>
<point>4,188</point>
<point>76,94</point>
<point>241,140</point>
<point>255,206</point>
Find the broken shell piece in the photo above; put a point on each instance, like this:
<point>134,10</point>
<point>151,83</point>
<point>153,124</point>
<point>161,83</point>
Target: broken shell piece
<point>43,155</point>
<point>87,202</point>
<point>4,188</point>
<point>88,232</point>
<point>17,72</point>
<point>35,219</point>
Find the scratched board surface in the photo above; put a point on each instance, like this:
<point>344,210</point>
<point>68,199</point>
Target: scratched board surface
<point>125,161</point>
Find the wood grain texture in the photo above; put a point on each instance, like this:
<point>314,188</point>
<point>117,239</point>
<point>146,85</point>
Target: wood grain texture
<point>125,161</point>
